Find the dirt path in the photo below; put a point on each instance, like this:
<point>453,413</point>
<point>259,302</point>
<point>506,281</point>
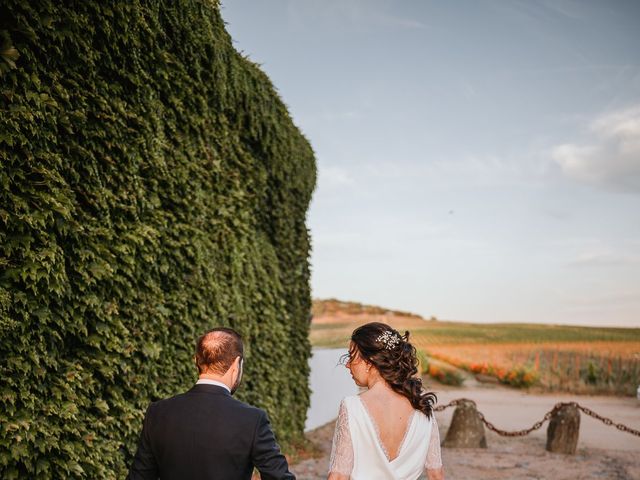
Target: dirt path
<point>603,451</point>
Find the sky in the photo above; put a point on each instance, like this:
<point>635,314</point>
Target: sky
<point>477,160</point>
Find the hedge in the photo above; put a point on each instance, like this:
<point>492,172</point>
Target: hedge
<point>152,185</point>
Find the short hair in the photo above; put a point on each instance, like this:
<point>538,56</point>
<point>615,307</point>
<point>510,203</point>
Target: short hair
<point>217,349</point>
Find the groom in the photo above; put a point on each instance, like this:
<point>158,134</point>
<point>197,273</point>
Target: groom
<point>205,433</point>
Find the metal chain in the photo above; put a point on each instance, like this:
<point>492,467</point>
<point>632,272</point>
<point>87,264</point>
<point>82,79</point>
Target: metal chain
<point>537,425</point>
<point>607,421</point>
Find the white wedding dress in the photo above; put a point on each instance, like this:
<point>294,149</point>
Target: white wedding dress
<point>358,452</point>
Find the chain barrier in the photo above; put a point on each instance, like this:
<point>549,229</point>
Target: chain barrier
<point>537,425</point>
<point>607,421</point>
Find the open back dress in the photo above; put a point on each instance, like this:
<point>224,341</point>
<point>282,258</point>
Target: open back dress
<point>359,453</point>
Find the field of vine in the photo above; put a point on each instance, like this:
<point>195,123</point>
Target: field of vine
<point>580,367</point>
<point>548,357</point>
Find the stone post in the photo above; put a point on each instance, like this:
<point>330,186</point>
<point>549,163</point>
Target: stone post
<point>466,429</point>
<point>563,430</point>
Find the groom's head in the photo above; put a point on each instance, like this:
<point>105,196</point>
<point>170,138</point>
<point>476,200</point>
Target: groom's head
<point>219,353</point>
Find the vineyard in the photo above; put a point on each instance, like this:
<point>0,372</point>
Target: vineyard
<point>544,357</point>
<point>597,367</point>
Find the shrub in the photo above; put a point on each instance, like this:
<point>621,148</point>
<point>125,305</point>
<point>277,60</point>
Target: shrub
<point>423,362</point>
<point>152,185</point>
<point>446,376</point>
<point>520,377</point>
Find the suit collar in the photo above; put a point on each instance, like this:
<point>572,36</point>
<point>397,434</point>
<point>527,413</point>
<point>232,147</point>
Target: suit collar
<point>213,382</point>
<point>209,389</point>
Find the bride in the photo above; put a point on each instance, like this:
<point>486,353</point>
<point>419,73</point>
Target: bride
<point>389,431</point>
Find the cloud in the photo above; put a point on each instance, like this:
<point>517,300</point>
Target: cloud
<point>526,168</point>
<point>395,21</point>
<point>337,239</point>
<point>569,9</point>
<point>612,159</point>
<point>331,117</point>
<point>363,15</point>
<point>611,298</point>
<point>334,177</point>
<point>603,258</point>
<point>556,214</point>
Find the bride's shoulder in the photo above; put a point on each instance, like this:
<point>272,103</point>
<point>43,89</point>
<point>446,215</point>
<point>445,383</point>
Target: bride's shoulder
<point>349,400</point>
<point>428,419</point>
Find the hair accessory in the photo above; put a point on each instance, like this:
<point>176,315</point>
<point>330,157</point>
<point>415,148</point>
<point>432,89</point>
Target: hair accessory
<point>389,339</point>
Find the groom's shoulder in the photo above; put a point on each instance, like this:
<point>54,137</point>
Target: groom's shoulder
<point>167,403</point>
<point>246,408</point>
<point>195,396</point>
<point>187,398</point>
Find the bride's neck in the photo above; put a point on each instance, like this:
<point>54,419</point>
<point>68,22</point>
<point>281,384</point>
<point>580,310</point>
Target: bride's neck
<point>379,384</point>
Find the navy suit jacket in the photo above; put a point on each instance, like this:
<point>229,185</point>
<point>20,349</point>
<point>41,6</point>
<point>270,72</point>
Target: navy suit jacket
<point>207,434</point>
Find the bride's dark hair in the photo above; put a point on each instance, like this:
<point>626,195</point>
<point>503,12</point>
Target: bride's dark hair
<point>396,360</point>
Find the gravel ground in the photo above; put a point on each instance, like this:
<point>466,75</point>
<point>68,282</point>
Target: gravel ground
<point>522,457</point>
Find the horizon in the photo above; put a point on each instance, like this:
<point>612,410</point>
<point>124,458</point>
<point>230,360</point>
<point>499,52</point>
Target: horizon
<point>476,160</point>
<point>448,320</point>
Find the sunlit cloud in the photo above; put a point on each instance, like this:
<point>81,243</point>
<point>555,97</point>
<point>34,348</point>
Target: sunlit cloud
<point>612,158</point>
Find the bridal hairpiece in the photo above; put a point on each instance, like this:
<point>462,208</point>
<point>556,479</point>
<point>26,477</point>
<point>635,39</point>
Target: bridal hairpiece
<point>389,339</point>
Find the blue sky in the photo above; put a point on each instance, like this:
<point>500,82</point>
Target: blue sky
<point>478,160</point>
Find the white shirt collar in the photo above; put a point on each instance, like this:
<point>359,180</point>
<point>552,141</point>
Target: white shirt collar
<point>206,381</point>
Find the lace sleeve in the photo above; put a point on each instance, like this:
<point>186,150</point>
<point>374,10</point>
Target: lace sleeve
<point>342,449</point>
<point>434,459</point>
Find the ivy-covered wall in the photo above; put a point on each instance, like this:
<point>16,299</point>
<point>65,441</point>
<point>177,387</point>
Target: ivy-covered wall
<point>152,185</point>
